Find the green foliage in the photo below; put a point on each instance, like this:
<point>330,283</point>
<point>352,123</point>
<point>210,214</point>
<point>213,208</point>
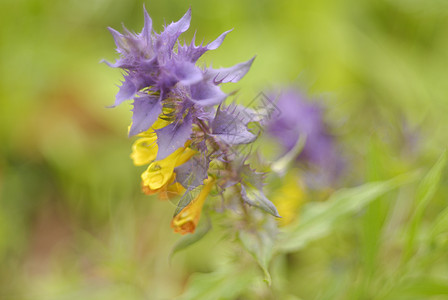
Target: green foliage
<point>255,197</point>
<point>226,283</point>
<point>260,244</point>
<point>319,218</point>
<point>425,193</point>
<point>190,239</point>
<point>419,288</point>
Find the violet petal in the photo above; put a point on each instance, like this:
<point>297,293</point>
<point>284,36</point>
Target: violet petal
<point>173,136</point>
<point>232,74</point>
<point>146,110</point>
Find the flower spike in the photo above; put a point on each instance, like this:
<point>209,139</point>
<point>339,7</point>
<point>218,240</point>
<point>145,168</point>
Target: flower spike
<point>186,142</point>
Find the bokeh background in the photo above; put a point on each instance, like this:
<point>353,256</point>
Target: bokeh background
<point>73,222</point>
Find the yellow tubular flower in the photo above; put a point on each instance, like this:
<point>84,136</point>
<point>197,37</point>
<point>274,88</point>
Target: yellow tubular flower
<point>188,218</point>
<point>170,191</point>
<point>159,175</point>
<point>161,172</point>
<point>167,191</point>
<point>289,199</point>
<point>144,150</point>
<point>148,191</point>
<point>185,156</point>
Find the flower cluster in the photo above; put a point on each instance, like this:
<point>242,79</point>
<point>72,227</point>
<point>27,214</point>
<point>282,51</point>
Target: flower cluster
<point>186,136</point>
<point>301,118</point>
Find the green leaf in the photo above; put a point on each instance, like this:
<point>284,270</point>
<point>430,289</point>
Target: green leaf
<point>418,288</point>
<point>440,225</point>
<point>376,212</point>
<point>260,244</point>
<point>250,177</point>
<point>225,283</point>
<point>318,218</point>
<point>190,239</point>
<point>255,197</point>
<point>425,193</point>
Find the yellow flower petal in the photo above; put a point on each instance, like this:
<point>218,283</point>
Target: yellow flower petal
<point>171,190</point>
<point>144,150</point>
<point>148,191</point>
<point>159,123</point>
<point>188,218</point>
<point>289,199</point>
<point>159,172</point>
<point>185,156</point>
<point>167,191</point>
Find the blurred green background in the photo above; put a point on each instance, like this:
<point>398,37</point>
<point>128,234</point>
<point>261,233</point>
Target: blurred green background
<point>73,222</point>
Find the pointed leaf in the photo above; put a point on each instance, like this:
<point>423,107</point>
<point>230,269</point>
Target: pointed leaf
<point>440,225</point>
<point>317,220</point>
<point>251,177</point>
<point>421,287</point>
<point>260,244</point>
<point>255,197</point>
<point>425,193</point>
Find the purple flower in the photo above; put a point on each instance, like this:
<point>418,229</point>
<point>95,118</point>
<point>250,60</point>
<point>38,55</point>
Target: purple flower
<point>155,74</point>
<point>300,117</point>
<point>175,99</point>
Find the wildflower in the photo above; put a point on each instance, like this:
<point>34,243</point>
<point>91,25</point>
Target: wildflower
<point>179,131</point>
<point>156,74</point>
<point>171,191</point>
<point>160,173</point>
<point>188,218</point>
<point>289,198</point>
<point>300,117</point>
<point>144,149</point>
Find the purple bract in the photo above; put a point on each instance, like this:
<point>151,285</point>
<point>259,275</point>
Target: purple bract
<point>155,73</point>
<point>301,117</point>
